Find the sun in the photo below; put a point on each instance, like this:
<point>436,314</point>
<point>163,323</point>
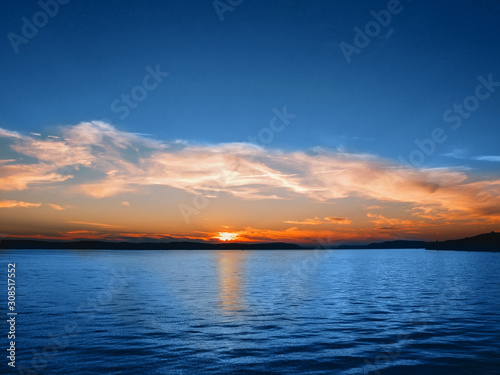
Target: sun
<point>226,236</point>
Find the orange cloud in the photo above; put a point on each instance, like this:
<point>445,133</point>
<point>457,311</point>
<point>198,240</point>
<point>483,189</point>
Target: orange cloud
<point>318,221</point>
<point>19,176</point>
<point>56,207</point>
<point>315,221</point>
<point>385,223</point>
<point>107,226</point>
<point>107,188</point>
<point>81,232</point>
<point>339,220</point>
<point>11,204</point>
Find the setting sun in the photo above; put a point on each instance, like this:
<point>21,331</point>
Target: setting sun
<point>226,236</point>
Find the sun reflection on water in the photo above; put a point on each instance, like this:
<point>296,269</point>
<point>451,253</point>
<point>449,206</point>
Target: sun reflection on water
<point>231,276</point>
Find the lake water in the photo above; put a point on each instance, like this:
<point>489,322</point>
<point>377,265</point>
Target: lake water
<point>255,312</point>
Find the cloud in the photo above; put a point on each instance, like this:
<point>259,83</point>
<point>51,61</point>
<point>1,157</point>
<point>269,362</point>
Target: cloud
<point>20,176</point>
<point>12,204</point>
<point>57,153</point>
<point>459,153</point>
<point>56,207</point>
<point>315,221</point>
<point>101,225</point>
<point>384,223</point>
<point>124,203</point>
<point>107,188</point>
<point>493,158</point>
<point>318,221</point>
<point>462,154</point>
<point>9,134</point>
<point>81,232</point>
<point>123,162</point>
<point>339,220</point>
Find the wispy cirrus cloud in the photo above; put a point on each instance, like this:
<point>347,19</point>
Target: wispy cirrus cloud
<point>462,154</point>
<point>494,158</point>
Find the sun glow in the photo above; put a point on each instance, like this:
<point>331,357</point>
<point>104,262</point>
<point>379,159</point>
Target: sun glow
<point>226,236</point>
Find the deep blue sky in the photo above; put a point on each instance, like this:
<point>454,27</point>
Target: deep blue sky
<point>226,77</point>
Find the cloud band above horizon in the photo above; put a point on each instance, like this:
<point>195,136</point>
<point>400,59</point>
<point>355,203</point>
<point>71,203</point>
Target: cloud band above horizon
<point>96,160</point>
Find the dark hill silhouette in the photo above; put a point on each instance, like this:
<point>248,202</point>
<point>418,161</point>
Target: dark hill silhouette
<point>482,242</point>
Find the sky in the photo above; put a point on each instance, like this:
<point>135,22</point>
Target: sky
<point>309,122</point>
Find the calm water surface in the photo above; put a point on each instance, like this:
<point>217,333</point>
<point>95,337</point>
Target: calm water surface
<point>255,312</point>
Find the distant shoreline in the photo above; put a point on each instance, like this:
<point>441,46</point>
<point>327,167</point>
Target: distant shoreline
<point>483,242</point>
